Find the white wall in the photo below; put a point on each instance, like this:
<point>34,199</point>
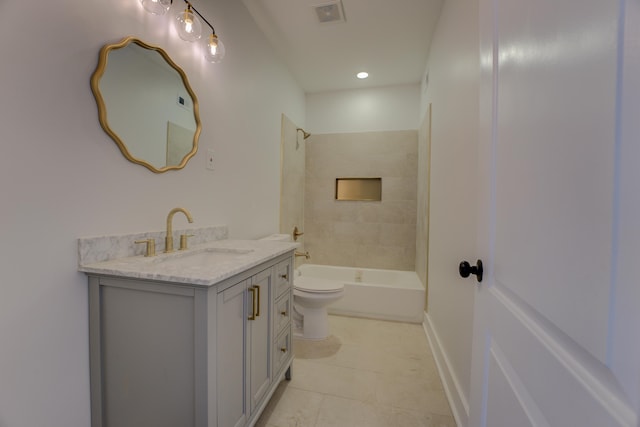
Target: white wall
<point>364,110</point>
<point>453,70</point>
<point>62,177</point>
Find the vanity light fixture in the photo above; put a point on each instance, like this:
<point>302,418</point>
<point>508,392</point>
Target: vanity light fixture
<point>189,27</point>
<point>157,7</point>
<point>214,49</point>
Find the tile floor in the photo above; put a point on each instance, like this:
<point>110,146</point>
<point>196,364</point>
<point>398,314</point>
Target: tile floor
<point>368,373</point>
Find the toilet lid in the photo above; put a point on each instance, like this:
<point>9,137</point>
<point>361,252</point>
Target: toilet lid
<point>314,284</point>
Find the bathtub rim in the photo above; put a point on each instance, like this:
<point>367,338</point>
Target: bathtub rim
<point>414,281</point>
<point>379,301</point>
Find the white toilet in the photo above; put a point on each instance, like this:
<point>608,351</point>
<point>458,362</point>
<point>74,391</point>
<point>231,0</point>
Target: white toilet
<point>311,296</point>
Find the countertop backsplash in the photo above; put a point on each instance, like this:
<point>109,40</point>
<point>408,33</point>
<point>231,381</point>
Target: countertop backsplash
<point>104,248</point>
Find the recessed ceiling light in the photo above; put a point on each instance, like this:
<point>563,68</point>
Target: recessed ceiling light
<point>362,75</point>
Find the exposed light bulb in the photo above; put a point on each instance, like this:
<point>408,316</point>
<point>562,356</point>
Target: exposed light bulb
<point>157,7</point>
<point>188,26</point>
<point>214,49</point>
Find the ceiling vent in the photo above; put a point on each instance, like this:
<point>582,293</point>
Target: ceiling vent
<point>330,12</point>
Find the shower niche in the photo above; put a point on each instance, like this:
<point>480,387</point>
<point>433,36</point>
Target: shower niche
<point>366,189</point>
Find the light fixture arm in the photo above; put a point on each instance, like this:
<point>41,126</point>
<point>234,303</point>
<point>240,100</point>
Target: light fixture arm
<point>199,14</point>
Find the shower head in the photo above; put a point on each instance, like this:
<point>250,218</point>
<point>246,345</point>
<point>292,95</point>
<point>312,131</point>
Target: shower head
<point>304,133</point>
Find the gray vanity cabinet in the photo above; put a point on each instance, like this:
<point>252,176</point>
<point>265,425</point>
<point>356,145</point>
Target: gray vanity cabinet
<point>244,310</point>
<point>282,327</point>
<point>172,354</point>
<point>260,336</point>
<point>232,340</point>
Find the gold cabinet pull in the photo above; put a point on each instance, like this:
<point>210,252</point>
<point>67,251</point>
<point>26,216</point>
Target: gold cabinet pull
<point>284,313</point>
<point>253,303</point>
<point>283,349</point>
<point>257,288</point>
<point>284,276</point>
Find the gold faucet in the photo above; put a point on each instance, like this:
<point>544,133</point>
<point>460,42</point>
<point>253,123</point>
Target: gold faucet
<point>168,240</point>
<point>150,245</point>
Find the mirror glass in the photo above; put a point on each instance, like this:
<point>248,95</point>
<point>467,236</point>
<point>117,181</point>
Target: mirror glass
<point>146,105</point>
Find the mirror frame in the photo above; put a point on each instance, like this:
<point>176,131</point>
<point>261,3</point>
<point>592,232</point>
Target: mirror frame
<point>102,109</point>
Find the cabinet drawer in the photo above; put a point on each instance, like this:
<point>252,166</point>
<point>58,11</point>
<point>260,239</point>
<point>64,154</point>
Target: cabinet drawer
<point>281,350</point>
<point>284,277</point>
<point>282,315</point>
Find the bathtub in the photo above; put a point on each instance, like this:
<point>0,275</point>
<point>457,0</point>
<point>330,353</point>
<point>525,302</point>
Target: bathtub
<point>378,294</point>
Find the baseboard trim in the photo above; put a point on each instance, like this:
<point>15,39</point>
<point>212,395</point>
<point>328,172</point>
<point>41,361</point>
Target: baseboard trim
<point>457,400</point>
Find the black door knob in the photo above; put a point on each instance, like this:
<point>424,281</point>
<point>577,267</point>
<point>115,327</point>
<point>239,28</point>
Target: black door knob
<point>465,269</point>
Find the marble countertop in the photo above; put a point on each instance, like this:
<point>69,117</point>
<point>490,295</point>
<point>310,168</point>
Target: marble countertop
<point>204,265</point>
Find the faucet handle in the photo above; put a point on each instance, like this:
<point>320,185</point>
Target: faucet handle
<point>151,246</point>
<point>183,241</point>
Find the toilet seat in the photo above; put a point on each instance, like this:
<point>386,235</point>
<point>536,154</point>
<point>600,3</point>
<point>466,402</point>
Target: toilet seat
<point>316,285</point>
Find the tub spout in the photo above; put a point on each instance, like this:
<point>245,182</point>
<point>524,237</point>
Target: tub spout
<point>304,254</point>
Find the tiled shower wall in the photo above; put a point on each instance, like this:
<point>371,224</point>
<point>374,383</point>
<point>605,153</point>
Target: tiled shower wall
<point>422,224</point>
<point>369,234</point>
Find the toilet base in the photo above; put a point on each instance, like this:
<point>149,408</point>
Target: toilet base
<point>315,324</point>
<point>310,312</point>
<point>299,335</point>
<point>312,323</point>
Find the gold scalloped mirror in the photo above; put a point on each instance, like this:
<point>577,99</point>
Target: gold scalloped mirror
<point>146,105</point>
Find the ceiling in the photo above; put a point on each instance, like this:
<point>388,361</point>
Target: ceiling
<point>389,39</point>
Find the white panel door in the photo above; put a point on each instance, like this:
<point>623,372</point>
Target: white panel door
<point>554,343</point>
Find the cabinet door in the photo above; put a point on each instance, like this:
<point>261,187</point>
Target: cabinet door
<point>143,365</point>
<point>260,337</point>
<point>231,366</point>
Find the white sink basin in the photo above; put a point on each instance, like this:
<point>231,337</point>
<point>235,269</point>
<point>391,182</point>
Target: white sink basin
<point>203,257</point>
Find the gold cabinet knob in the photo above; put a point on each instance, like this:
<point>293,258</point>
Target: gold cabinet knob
<point>283,349</point>
<point>284,276</point>
<point>284,313</point>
